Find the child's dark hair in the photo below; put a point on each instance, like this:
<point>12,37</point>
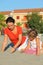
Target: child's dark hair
<point>32,33</point>
<point>10,19</point>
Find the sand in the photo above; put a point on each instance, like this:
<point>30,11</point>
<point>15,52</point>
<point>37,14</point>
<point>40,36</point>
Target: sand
<point>17,58</point>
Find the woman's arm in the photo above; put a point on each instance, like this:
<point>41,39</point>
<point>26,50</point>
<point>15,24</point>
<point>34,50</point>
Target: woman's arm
<point>19,41</point>
<point>4,42</point>
<point>17,44</point>
<point>38,46</point>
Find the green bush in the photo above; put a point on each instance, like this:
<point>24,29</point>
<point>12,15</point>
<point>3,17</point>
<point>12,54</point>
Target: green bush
<point>2,19</point>
<point>19,24</point>
<point>35,22</point>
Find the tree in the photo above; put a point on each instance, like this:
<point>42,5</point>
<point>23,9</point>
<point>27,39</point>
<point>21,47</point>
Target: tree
<point>2,19</point>
<point>41,27</point>
<point>19,24</point>
<point>34,22</point>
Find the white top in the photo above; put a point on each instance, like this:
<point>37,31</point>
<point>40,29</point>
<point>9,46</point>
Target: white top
<point>33,44</point>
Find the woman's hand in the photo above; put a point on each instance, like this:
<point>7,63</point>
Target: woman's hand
<point>13,50</point>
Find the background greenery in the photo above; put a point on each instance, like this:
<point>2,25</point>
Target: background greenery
<point>2,21</point>
<point>34,21</point>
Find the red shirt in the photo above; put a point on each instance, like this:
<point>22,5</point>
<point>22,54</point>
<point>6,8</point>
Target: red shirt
<point>15,37</point>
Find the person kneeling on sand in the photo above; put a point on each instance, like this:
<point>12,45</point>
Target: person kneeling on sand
<point>15,35</point>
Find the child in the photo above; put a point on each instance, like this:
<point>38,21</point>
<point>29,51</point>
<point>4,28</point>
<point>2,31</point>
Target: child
<point>35,45</point>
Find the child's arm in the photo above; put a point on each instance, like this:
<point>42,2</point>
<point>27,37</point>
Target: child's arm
<point>37,46</point>
<point>42,45</point>
<point>28,46</point>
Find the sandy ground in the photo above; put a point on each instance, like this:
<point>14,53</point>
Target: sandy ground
<point>18,58</point>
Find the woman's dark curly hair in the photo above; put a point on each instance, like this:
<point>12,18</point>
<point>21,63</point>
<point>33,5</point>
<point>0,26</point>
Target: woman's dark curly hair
<point>10,19</point>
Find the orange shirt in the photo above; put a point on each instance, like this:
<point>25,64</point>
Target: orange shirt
<point>15,37</point>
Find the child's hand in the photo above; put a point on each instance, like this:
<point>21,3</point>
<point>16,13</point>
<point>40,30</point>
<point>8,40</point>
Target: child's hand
<point>37,53</point>
<point>41,51</point>
<point>22,50</point>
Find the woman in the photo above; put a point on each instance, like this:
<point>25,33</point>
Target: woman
<point>15,35</point>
